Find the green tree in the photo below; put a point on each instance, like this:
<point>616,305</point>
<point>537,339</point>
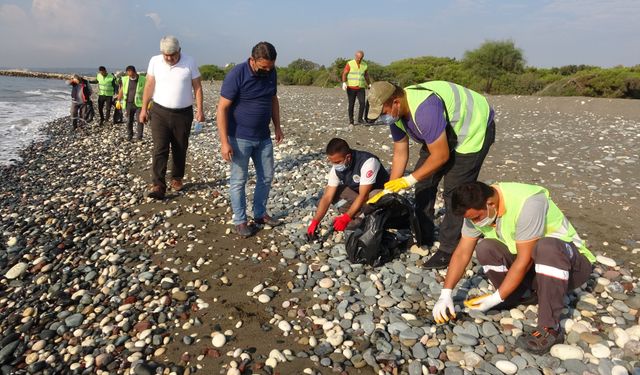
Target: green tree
<point>494,59</point>
<point>302,64</point>
<point>209,72</point>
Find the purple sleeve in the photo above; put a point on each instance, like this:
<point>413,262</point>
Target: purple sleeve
<point>396,133</point>
<point>430,119</point>
<point>229,89</point>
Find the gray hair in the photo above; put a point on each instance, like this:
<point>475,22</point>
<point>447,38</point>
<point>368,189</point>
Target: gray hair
<point>169,45</point>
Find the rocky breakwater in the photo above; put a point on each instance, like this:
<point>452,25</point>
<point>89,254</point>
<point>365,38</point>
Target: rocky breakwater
<point>44,75</point>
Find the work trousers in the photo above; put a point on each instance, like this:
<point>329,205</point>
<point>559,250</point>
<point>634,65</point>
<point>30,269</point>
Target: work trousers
<point>132,116</point>
<point>351,96</point>
<point>459,169</point>
<point>349,195</point>
<point>170,129</point>
<point>558,267</point>
<point>102,100</point>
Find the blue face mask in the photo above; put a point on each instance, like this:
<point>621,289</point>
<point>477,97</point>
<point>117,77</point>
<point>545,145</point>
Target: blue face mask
<point>388,119</point>
<point>339,167</point>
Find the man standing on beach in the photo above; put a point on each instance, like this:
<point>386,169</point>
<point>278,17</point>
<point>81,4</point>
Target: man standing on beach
<point>355,78</point>
<point>105,92</point>
<point>80,99</point>
<point>131,91</point>
<point>455,127</point>
<point>171,77</point>
<point>248,103</point>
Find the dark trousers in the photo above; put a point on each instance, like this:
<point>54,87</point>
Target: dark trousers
<point>352,95</point>
<point>132,113</point>
<point>558,267</point>
<point>75,113</point>
<point>102,100</point>
<point>460,168</point>
<point>170,129</point>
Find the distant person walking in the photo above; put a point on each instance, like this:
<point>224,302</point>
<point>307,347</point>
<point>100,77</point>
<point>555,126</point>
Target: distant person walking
<point>172,80</point>
<point>455,129</point>
<point>355,79</point>
<point>248,103</point>
<point>131,93</point>
<point>80,101</point>
<point>106,90</point>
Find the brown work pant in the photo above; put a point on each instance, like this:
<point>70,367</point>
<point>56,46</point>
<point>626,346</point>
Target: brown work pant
<point>350,195</point>
<point>170,129</point>
<point>558,267</point>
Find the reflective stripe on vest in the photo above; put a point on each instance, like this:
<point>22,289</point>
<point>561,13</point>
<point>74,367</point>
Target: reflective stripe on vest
<point>105,84</point>
<point>466,110</point>
<point>557,226</point>
<point>139,91</point>
<point>355,77</point>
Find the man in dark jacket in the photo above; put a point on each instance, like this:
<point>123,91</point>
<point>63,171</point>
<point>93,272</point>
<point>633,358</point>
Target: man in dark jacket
<point>354,176</point>
<point>80,99</point>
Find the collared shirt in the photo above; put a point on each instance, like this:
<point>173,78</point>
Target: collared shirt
<point>251,96</point>
<point>173,87</point>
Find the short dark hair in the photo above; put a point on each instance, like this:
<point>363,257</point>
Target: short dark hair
<point>470,195</point>
<point>102,69</point>
<point>264,50</point>
<point>130,67</point>
<point>338,146</point>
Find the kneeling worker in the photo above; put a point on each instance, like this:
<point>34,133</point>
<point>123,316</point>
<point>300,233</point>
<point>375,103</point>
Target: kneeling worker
<point>354,177</point>
<point>528,245</point>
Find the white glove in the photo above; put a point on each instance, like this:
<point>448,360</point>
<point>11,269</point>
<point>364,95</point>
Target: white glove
<point>369,86</point>
<point>344,86</point>
<point>440,313</point>
<point>484,303</point>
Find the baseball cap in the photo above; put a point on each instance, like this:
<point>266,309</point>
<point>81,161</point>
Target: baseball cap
<point>379,93</point>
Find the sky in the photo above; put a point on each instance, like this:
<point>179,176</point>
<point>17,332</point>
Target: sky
<point>117,33</point>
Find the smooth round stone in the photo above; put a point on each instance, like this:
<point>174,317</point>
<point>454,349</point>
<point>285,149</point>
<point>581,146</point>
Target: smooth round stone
<point>74,320</point>
<point>284,326</point>
<point>326,283</point>
<point>564,352</point>
<point>39,345</point>
<point>16,271</point>
<point>619,370</point>
<point>620,306</point>
<point>606,261</point>
<point>620,336</point>
<point>516,314</point>
<point>263,298</point>
<point>465,339</point>
<point>600,351</point>
<point>608,320</point>
<point>472,359</point>
<point>590,338</point>
<point>386,302</point>
<point>218,339</point>
<point>507,367</point>
<point>180,296</point>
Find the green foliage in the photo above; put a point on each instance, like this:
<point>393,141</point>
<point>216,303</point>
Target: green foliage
<point>619,82</point>
<point>209,72</point>
<point>496,67</point>
<point>494,59</point>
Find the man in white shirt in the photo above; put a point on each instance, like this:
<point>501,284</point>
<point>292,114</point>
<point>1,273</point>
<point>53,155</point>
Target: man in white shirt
<point>354,176</point>
<point>171,77</point>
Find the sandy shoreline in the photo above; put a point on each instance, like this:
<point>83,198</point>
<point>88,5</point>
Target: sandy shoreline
<point>168,275</point>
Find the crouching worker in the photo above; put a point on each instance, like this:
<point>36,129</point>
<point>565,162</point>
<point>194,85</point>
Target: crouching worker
<point>528,246</point>
<point>355,176</point>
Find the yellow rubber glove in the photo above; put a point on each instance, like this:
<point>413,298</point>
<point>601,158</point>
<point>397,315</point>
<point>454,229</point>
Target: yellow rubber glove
<point>377,197</point>
<point>400,183</point>
<point>485,302</point>
<point>118,105</point>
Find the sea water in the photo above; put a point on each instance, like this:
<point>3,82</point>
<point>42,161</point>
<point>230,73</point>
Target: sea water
<point>26,104</point>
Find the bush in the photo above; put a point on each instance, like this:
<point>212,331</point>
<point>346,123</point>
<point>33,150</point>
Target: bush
<point>209,72</point>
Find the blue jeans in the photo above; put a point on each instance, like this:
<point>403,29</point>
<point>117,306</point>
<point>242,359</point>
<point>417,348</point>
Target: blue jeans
<point>261,152</point>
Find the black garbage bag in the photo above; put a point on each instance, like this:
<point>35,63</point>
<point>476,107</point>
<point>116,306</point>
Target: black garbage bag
<point>384,231</point>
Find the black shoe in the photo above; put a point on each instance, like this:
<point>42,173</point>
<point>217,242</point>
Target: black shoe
<point>361,122</point>
<point>438,261</point>
<point>541,340</point>
<point>245,230</point>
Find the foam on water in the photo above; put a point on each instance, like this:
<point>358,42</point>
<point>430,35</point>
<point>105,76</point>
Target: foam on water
<point>26,104</point>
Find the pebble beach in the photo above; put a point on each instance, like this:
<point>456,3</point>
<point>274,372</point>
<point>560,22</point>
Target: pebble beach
<point>95,278</point>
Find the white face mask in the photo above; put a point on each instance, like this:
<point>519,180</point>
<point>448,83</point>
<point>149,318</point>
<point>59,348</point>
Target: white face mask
<point>487,220</point>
